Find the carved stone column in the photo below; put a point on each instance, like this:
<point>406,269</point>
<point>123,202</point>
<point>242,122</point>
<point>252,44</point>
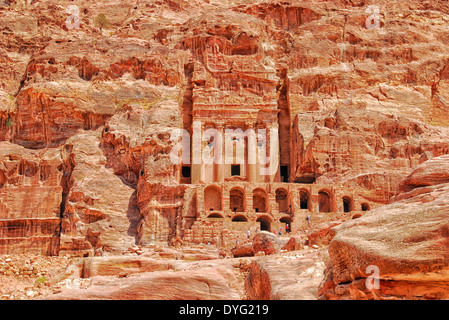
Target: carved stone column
<point>219,153</point>
<point>197,133</point>
<point>252,154</point>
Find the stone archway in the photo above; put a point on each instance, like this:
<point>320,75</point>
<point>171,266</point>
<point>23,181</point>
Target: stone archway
<point>282,200</point>
<point>324,201</point>
<point>365,206</point>
<point>348,204</point>
<point>239,218</point>
<point>237,200</point>
<point>304,196</point>
<point>288,222</point>
<point>265,223</point>
<point>260,200</point>
<point>212,199</point>
<point>215,216</point>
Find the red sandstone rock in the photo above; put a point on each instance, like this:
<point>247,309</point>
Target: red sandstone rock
<point>406,241</point>
<point>284,277</point>
<point>145,278</point>
<point>99,208</point>
<point>245,250</point>
<point>322,234</point>
<point>266,242</point>
<point>159,285</point>
<point>432,172</point>
<point>295,242</point>
<point>30,198</point>
<point>263,241</point>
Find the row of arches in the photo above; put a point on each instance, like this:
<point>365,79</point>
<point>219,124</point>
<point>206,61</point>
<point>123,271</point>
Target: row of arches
<point>326,203</point>
<point>213,200</point>
<point>264,221</point>
<point>237,199</point>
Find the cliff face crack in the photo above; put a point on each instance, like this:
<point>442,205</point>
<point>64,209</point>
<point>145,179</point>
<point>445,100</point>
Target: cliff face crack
<point>25,77</point>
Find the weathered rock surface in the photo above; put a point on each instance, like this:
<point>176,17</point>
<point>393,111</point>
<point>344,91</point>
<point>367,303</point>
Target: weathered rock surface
<point>322,233</point>
<point>406,242</point>
<point>292,276</point>
<point>263,241</point>
<point>205,284</point>
<point>147,278</point>
<point>432,172</point>
<point>99,208</point>
<point>295,242</point>
<point>30,199</point>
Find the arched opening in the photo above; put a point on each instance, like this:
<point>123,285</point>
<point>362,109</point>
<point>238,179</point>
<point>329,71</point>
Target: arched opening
<point>212,199</point>
<point>288,223</point>
<point>304,197</point>
<point>265,223</point>
<point>365,206</point>
<point>260,200</point>
<point>236,200</point>
<point>282,200</point>
<point>239,218</point>
<point>348,204</point>
<point>324,201</point>
<point>215,216</point>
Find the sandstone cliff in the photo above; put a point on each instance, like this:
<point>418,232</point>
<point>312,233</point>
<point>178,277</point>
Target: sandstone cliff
<point>86,116</point>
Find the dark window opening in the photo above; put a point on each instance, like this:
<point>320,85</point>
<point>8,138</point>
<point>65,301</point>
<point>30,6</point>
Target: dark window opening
<point>186,171</point>
<point>235,170</point>
<point>282,200</point>
<point>260,200</point>
<point>284,174</point>
<point>346,206</point>
<point>237,200</point>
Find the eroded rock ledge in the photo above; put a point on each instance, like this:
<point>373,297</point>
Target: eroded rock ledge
<point>407,241</point>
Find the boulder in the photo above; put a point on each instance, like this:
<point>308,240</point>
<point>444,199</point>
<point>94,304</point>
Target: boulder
<point>431,172</point>
<point>206,284</point>
<point>266,242</point>
<point>296,242</point>
<point>262,241</point>
<point>322,233</point>
<point>145,278</point>
<point>285,277</point>
<point>398,251</point>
